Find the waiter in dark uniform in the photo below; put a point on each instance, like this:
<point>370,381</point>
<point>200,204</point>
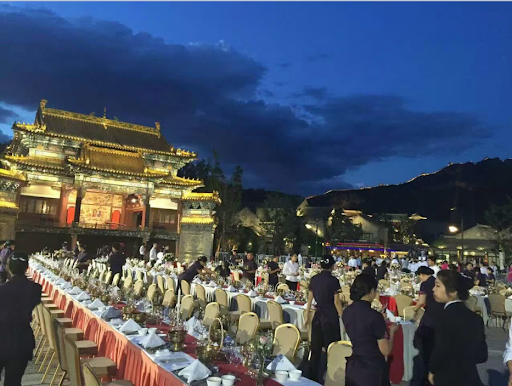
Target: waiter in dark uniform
<point>366,329</point>
<point>273,270</point>
<point>116,259</point>
<point>325,329</point>
<point>250,267</point>
<point>7,251</point>
<point>424,339</point>
<point>195,269</point>
<point>368,267</point>
<point>18,297</point>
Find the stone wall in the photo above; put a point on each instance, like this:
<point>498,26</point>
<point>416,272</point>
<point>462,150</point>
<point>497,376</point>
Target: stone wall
<point>195,240</point>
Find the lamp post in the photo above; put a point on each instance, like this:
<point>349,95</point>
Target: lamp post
<point>454,229</point>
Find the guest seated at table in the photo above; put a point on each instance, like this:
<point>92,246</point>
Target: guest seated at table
<point>469,271</point>
<point>368,268</point>
<point>84,258</point>
<point>325,329</point>
<point>367,330</point>
<point>460,335</point>
<point>116,260</point>
<point>223,270</point>
<point>480,278</point>
<point>18,297</point>
<point>195,269</point>
<point>382,271</point>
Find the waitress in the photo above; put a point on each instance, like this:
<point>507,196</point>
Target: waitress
<point>325,329</point>
<point>273,270</point>
<point>366,329</point>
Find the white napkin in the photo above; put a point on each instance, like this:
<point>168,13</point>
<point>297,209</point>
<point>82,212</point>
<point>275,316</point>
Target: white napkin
<point>196,281</point>
<point>130,326</point>
<point>67,285</point>
<point>280,300</point>
<point>281,363</point>
<point>252,293</point>
<point>231,289</point>
<point>97,303</point>
<point>110,313</point>
<point>190,326</point>
<point>391,317</point>
<point>75,291</point>
<point>212,284</point>
<point>152,341</point>
<point>60,281</point>
<point>195,372</point>
<point>83,296</point>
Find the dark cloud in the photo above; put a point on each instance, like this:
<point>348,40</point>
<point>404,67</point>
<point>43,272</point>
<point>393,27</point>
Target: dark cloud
<point>284,65</point>
<point>7,116</point>
<point>317,93</point>
<point>280,84</point>
<point>318,57</point>
<point>206,97</point>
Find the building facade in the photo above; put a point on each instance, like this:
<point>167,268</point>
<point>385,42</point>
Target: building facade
<point>71,176</point>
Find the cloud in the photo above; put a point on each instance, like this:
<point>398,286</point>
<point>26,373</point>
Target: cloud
<point>6,115</point>
<point>280,84</point>
<point>208,97</point>
<point>317,93</point>
<point>318,57</point>
<point>284,65</point>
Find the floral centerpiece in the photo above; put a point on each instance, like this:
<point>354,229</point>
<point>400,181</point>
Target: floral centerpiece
<point>263,350</point>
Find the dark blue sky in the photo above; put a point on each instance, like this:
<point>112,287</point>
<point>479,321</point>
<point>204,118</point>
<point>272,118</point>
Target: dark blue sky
<point>305,96</point>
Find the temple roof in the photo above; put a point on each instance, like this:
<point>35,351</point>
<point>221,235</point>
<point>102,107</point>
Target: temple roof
<point>101,131</point>
<point>53,163</point>
<point>212,197</point>
<point>181,182</point>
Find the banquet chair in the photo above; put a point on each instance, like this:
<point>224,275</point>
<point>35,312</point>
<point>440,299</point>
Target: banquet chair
<point>138,276</point>
<point>283,287</point>
<point>211,312</point>
<point>337,354</point>
<point>248,325</point>
<point>402,301</point>
<point>498,310</point>
<point>91,379</point>
<point>89,268</point>
<point>221,297</point>
<point>169,298</point>
<point>151,292</point>
<point>115,280</point>
<point>127,283</point>
<point>160,283</point>
<point>471,303</point>
<point>244,304</point>
<point>236,276</point>
<point>101,278</point>
<point>409,313</point>
<point>186,307</point>
<point>384,283</point>
<point>304,285</point>
<point>286,340</point>
<point>185,288</point>
<point>201,296</point>
<point>108,276</point>
<point>129,273</point>
<point>170,283</point>
<point>503,292</point>
<point>138,287</point>
<point>51,309</point>
<point>101,366</point>
<point>275,314</point>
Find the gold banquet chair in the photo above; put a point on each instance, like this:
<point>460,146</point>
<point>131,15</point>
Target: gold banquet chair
<point>91,379</point>
<point>211,313</point>
<point>170,283</point>
<point>160,283</point>
<point>221,297</point>
<point>127,284</point>
<point>151,292</point>
<point>138,276</point>
<point>115,280</point>
<point>108,276</point>
<point>409,314</point>
<point>337,355</point>
<point>286,340</point>
<point>185,288</point>
<point>471,303</point>
<point>275,313</point>
<point>201,296</point>
<point>186,307</point>
<point>248,325</point>
<point>283,287</point>
<point>498,310</point>
<point>138,287</point>
<point>402,301</point>
<point>169,298</point>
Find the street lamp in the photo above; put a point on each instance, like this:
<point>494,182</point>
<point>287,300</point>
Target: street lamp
<point>455,229</point>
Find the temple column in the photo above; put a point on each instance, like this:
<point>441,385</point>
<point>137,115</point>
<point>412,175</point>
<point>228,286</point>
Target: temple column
<point>78,205</point>
<point>147,212</point>
<point>64,199</point>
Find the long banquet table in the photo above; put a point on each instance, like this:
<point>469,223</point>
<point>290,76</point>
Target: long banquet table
<point>133,363</point>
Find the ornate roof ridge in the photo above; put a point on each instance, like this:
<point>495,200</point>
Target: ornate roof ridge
<point>196,220</point>
<point>192,196</point>
<point>106,150</point>
<point>83,163</point>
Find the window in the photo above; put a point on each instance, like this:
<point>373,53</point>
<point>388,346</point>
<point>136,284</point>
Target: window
<point>163,216</point>
<point>37,205</point>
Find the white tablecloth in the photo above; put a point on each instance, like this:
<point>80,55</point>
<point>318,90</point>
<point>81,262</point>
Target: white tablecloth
<point>508,305</point>
<point>481,303</point>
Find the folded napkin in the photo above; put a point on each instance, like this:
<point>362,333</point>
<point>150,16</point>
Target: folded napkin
<point>281,363</point>
<point>196,281</point>
<point>191,325</point>
<point>60,281</point>
<point>391,317</point>
<point>116,322</point>
<point>162,353</point>
<point>252,293</point>
<point>130,326</point>
<point>110,313</point>
<point>83,296</point>
<point>152,341</point>
<point>97,303</point>
<point>195,372</point>
<point>212,284</point>
<point>67,285</point>
<point>280,300</point>
<point>75,291</point>
<point>231,289</point>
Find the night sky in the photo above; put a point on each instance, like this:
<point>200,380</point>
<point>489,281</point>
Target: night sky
<point>307,97</point>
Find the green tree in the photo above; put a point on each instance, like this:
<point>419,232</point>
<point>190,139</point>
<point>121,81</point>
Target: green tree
<point>499,217</point>
<point>341,229</point>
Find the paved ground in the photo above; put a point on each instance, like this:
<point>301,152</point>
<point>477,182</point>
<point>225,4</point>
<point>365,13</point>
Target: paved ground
<point>492,373</point>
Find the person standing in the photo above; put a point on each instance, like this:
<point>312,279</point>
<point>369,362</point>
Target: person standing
<point>273,270</point>
<point>142,251</point>
<point>291,272</point>
<point>460,335</point>
<point>116,260</point>
<point>4,257</point>
<point>18,298</point>
<point>367,331</point>
<point>153,253</point>
<point>368,268</point>
<point>250,267</point>
<point>382,271</point>
<point>195,269</point>
<point>325,329</point>
<point>83,258</point>
<point>431,261</point>
<point>352,262</point>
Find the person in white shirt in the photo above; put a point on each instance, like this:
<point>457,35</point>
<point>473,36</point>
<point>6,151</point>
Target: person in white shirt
<point>507,355</point>
<point>142,251</point>
<point>352,262</point>
<point>153,253</point>
<point>291,271</point>
<point>432,265</point>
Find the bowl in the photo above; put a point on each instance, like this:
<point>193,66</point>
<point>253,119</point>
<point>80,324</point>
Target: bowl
<point>295,374</point>
<point>281,375</point>
<point>228,380</point>
<point>143,331</point>
<point>213,381</point>
<point>292,302</point>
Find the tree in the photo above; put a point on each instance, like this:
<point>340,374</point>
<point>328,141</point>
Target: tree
<point>499,217</point>
<point>341,229</point>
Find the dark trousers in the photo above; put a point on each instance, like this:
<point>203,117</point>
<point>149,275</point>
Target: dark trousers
<point>14,369</point>
<point>292,285</point>
<point>3,277</point>
<point>323,333</point>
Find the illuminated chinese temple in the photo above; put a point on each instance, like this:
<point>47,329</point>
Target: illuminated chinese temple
<point>71,176</point>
